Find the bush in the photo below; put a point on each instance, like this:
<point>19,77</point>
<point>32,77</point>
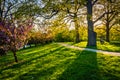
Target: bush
<point>64,37</point>
<point>40,38</point>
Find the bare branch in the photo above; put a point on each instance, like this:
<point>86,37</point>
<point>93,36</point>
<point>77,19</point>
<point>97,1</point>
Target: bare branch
<point>3,5</point>
<point>8,9</point>
<point>99,18</point>
<point>112,16</point>
<point>50,16</point>
<point>102,16</point>
<point>100,28</point>
<point>94,2</point>
<point>117,30</point>
<point>112,25</point>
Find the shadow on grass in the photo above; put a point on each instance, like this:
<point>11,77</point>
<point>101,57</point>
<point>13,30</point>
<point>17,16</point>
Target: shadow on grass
<point>58,63</point>
<point>34,56</point>
<point>115,43</point>
<point>84,67</point>
<point>30,49</point>
<point>92,47</point>
<point>33,70</point>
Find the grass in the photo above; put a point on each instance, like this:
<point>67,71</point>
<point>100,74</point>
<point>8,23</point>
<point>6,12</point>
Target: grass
<point>55,62</point>
<point>113,47</point>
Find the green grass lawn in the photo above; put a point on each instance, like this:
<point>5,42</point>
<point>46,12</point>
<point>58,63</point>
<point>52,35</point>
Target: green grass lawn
<point>114,47</point>
<point>55,62</point>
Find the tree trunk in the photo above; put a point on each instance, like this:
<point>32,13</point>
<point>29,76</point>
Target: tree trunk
<point>107,32</point>
<point>91,33</point>
<point>77,37</point>
<point>107,26</point>
<point>15,56</point>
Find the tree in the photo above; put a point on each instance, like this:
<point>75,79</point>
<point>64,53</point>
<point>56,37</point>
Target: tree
<point>72,12</point>
<point>15,22</point>
<point>111,16</point>
<point>89,4</point>
<point>52,7</point>
<point>69,8</point>
<point>9,8</point>
<point>14,35</point>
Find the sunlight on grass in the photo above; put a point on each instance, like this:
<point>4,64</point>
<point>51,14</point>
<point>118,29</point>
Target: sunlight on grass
<point>55,62</point>
<point>106,46</point>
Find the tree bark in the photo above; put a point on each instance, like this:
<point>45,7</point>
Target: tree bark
<point>91,33</point>
<point>15,56</point>
<point>107,32</point>
<point>77,36</point>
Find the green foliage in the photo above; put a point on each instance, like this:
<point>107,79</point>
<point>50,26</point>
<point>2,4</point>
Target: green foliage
<point>83,33</point>
<point>38,37</point>
<point>114,34</point>
<point>64,36</point>
<point>100,30</point>
<point>61,32</point>
<point>54,62</point>
<point>26,9</point>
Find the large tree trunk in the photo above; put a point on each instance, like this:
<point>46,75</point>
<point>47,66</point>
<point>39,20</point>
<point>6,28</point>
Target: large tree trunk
<point>91,33</point>
<point>15,56</point>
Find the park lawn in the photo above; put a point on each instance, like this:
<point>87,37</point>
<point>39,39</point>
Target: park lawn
<point>55,62</point>
<point>113,47</point>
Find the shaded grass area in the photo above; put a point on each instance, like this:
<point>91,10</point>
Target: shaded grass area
<point>114,47</point>
<point>55,62</point>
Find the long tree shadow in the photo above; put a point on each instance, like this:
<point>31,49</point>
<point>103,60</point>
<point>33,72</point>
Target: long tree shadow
<point>84,67</point>
<point>29,61</point>
<point>33,70</point>
<point>58,63</point>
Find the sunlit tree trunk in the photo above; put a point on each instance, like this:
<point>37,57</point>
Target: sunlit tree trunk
<point>77,36</point>
<point>107,32</point>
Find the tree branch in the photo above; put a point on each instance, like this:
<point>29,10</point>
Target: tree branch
<point>50,16</point>
<point>94,2</point>
<point>112,16</point>
<point>102,16</point>
<point>112,25</point>
<point>117,30</point>
<point>8,9</point>
<point>99,18</point>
